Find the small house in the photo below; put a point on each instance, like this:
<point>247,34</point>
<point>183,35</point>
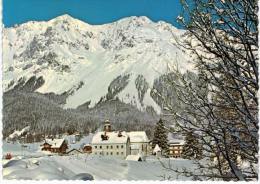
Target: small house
<point>176,144</point>
<point>55,145</point>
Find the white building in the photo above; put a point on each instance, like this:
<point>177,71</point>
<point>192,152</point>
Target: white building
<point>138,143</point>
<point>111,144</point>
<point>119,143</point>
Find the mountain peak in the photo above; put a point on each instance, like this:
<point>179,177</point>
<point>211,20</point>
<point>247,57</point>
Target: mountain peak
<point>141,20</point>
<point>65,17</point>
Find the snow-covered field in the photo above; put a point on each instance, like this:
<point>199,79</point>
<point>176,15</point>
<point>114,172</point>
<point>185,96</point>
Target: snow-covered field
<point>33,164</point>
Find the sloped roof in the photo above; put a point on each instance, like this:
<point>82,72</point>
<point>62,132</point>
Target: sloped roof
<point>175,139</point>
<point>55,143</point>
<point>134,157</point>
<point>74,150</point>
<point>156,148</point>
<point>113,138</point>
<point>138,136</point>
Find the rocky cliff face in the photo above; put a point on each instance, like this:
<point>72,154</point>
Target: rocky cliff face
<point>91,63</point>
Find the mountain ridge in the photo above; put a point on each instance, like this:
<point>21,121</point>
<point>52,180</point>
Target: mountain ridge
<point>67,52</point>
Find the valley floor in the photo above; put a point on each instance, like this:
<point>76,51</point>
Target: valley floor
<point>37,165</point>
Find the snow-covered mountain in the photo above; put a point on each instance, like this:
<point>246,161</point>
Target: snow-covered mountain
<point>93,62</point>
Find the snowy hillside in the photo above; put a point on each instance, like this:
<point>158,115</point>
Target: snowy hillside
<point>92,62</point>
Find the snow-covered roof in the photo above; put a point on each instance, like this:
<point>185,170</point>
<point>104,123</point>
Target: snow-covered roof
<point>134,157</point>
<point>55,143</point>
<point>177,142</point>
<point>113,138</point>
<point>175,139</point>
<point>156,148</point>
<point>138,136</point>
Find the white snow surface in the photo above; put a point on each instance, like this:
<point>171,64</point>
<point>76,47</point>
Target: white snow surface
<point>19,133</point>
<point>134,157</point>
<point>55,143</point>
<point>112,138</point>
<point>33,164</point>
<point>137,136</point>
<point>95,55</point>
<point>175,139</point>
<point>101,168</point>
<point>156,148</point>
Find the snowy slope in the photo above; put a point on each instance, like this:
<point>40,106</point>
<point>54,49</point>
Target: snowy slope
<point>101,168</point>
<point>72,55</point>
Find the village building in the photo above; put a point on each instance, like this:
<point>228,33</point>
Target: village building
<point>139,143</point>
<point>55,145</point>
<point>114,143</point>
<point>176,143</point>
<point>119,143</point>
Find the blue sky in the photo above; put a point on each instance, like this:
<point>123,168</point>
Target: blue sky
<point>91,11</point>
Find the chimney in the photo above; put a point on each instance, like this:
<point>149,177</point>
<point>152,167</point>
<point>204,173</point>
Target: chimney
<point>104,136</point>
<point>119,134</point>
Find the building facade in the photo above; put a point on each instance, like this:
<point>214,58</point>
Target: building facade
<point>175,149</point>
<point>176,143</point>
<point>139,143</point>
<point>119,143</point>
<point>111,144</point>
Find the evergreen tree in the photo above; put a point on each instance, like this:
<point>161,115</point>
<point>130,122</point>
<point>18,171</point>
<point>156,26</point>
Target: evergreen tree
<point>160,137</point>
<point>192,149</point>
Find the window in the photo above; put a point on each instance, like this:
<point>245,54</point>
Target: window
<point>117,153</point>
<point>117,146</point>
<point>122,153</point>
<point>96,147</point>
<point>111,153</point>
<point>100,153</point>
<point>107,147</point>
<point>100,147</point>
<point>107,153</point>
<point>111,147</point>
<point>122,146</point>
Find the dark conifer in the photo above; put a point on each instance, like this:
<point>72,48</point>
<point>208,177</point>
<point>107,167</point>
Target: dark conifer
<point>160,137</point>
